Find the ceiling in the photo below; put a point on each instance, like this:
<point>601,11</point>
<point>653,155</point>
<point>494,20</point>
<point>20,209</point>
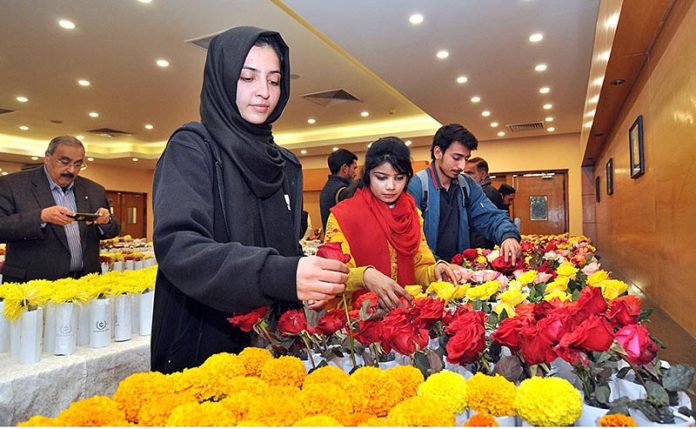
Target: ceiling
<point>365,47</point>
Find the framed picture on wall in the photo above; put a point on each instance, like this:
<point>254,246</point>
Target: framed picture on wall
<point>610,176</point>
<point>635,140</point>
<point>597,189</point>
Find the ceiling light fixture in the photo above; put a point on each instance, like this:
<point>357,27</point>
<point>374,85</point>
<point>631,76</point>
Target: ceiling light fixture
<point>335,149</point>
<point>135,159</point>
<point>5,173</point>
<point>24,128</point>
<point>475,99</point>
<point>550,129</point>
<point>90,159</point>
<point>408,142</point>
<point>547,106</point>
<point>303,152</point>
<point>462,79</point>
<point>364,113</point>
<point>549,119</point>
<point>67,24</point>
<point>416,19</point>
<point>162,62</point>
<point>145,1</point>
<point>149,126</point>
<point>494,124</point>
<point>311,121</point>
<point>93,114</point>
<point>442,54</point>
<point>34,158</point>
<point>540,67</point>
<point>83,82</point>
<point>22,99</point>
<point>544,90</point>
<point>501,133</point>
<point>80,137</point>
<point>486,113</point>
<point>536,37</point>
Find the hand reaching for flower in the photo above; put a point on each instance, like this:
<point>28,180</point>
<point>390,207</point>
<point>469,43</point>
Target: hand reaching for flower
<point>389,293</point>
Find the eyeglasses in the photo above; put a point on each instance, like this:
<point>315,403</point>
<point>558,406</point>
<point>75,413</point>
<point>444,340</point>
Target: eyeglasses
<point>65,163</point>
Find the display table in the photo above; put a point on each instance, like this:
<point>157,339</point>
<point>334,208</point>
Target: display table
<point>52,384</point>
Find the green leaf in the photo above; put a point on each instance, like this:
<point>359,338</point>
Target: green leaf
<point>602,393</point>
<point>476,304</point>
<point>421,362</point>
<point>678,377</point>
<point>645,314</point>
<point>623,372</point>
<point>657,395</point>
<point>509,367</point>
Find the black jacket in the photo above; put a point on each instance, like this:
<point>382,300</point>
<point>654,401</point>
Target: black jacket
<point>330,195</point>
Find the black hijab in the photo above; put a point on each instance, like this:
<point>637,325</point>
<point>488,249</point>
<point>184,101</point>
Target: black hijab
<point>250,147</point>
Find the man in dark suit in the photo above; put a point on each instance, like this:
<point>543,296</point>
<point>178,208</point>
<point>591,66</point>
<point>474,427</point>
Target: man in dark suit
<point>37,217</point>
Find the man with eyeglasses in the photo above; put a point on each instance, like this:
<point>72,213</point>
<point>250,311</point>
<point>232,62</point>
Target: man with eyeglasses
<point>38,222</point>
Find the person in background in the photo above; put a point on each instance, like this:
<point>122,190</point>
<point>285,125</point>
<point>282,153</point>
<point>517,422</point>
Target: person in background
<point>227,209</point>
<point>380,227</point>
<point>452,202</point>
<point>37,217</point>
<point>508,194</point>
<point>343,165</point>
<point>477,169</point>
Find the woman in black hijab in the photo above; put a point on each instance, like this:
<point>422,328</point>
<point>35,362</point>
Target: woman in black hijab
<point>227,207</point>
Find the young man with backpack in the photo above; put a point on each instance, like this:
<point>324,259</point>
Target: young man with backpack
<point>451,202</point>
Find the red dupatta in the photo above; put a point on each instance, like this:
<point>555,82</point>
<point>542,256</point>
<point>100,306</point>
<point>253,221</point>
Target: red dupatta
<point>369,224</point>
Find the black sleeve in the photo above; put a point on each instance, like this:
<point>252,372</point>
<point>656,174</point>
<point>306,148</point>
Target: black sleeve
<point>17,226</point>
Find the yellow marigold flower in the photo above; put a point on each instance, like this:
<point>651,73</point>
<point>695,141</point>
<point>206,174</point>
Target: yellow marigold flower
<point>205,383</point>
<point>276,410</point>
<point>225,364</point>
<point>513,297</point>
<point>38,421</point>
<point>134,390</point>
<point>94,411</point>
<point>597,277</point>
<point>327,374</point>
<point>443,290</point>
<point>482,420</point>
<point>617,420</point>
<point>358,419</point>
<point>420,411</point>
<point>611,289</point>
<point>566,269</point>
<point>408,377</point>
<point>447,387</point>
<point>460,291</point>
<point>375,422</point>
<point>318,420</point>
<point>502,306</point>
<point>156,409</point>
<point>238,404</point>
<point>563,296</point>
<point>484,291</point>
<point>283,390</point>
<point>415,291</point>
<point>548,401</point>
<point>284,371</point>
<point>493,395</point>
<point>373,391</point>
<point>250,423</point>
<point>481,259</point>
<point>253,359</point>
<point>248,384</point>
<point>527,277</point>
<point>559,284</point>
<point>205,414</point>
<point>327,399</point>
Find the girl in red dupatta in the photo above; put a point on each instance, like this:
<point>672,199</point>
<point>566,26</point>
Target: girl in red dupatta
<point>381,228</point>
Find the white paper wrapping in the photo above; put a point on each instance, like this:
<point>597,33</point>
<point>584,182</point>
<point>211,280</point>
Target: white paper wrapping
<point>149,262</point>
<point>31,324</point>
<point>99,323</point>
<point>104,267</point>
<point>49,334</point>
<point>135,313</point>
<point>118,266</point>
<point>146,303</point>
<point>130,264</point>
<point>138,265</point>
<point>122,317</point>
<point>4,330</point>
<point>83,325</point>
<point>66,329</point>
<point>15,337</point>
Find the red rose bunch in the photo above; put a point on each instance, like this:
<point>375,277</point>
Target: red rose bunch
<point>428,311</point>
<point>293,322</point>
<point>333,251</point>
<point>635,340</point>
<point>501,265</point>
<point>369,331</point>
<point>331,322</point>
<point>590,302</point>
<point>624,310</point>
<point>467,338</point>
<point>246,321</point>
<point>401,333</point>
<point>594,334</point>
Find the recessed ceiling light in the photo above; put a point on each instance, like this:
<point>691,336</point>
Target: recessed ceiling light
<point>462,79</point>
<point>5,173</point>
<point>494,124</point>
<point>548,106</point>
<point>540,67</point>
<point>303,151</point>
<point>475,99</point>
<point>162,62</point>
<point>22,99</point>
<point>364,113</point>
<point>34,158</point>
<point>599,81</point>
<point>604,56</point>
<point>369,145</point>
<point>416,19</point>
<point>536,37</point>
<point>442,54</point>
<point>551,129</point>
<point>591,113</point>
<point>594,99</point>
<point>149,126</point>
<point>135,159</point>
<point>83,82</point>
<point>486,113</point>
<point>90,159</point>
<point>544,90</point>
<point>335,149</point>
<point>80,137</point>
<point>501,133</point>
<point>549,119</point>
<point>145,1</point>
<point>93,114</point>
<point>408,142</point>
<point>311,121</point>
<point>23,128</point>
<point>67,24</point>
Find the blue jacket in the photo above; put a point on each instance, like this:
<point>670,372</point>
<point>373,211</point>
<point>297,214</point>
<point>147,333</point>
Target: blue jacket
<point>493,223</point>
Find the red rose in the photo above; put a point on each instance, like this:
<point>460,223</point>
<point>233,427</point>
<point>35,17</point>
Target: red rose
<point>332,321</point>
<point>449,317</point>
<point>470,254</point>
<point>369,331</point>
<point>635,339</point>
<point>333,251</point>
<point>457,259</point>
<point>594,334</point>
<point>590,302</point>
<point>464,320</point>
<point>428,312</point>
<point>527,246</point>
<point>246,321</point>
<point>293,322</point>
<point>554,326</point>
<point>400,334</point>
<point>466,345</point>
<point>525,311</point>
<point>534,347</point>
<point>624,310</point>
<point>362,295</point>
<point>509,331</point>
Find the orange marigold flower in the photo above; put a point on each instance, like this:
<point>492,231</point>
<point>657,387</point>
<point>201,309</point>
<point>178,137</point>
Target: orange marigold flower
<point>204,383</point>
<point>492,395</point>
<point>276,410</point>
<point>157,409</point>
<point>421,411</point>
<point>482,420</point>
<point>372,391</point>
<point>94,411</point>
<point>253,359</point>
<point>135,389</point>
<point>357,419</point>
<point>318,420</point>
<point>284,371</point>
<point>249,384</point>
<point>375,422</point>
<point>408,377</point>
<point>616,420</point>
<point>38,421</point>
<point>239,403</point>
<point>327,399</point>
<point>327,374</point>
<point>205,414</point>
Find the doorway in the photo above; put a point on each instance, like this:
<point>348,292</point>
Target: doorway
<point>130,210</point>
<point>541,202</point>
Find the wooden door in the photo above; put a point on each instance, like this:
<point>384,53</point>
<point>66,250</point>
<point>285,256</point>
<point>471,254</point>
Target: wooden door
<point>541,203</point>
<point>130,210</point>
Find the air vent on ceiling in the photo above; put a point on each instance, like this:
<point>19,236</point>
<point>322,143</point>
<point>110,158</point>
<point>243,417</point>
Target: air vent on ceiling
<point>5,111</point>
<point>109,132</point>
<point>327,98</point>
<point>202,41</point>
<point>529,126</point>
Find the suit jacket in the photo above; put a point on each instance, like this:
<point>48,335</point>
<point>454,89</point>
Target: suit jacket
<point>34,252</point>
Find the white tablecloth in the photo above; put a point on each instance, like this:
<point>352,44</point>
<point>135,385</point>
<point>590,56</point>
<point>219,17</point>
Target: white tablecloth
<point>50,385</point>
